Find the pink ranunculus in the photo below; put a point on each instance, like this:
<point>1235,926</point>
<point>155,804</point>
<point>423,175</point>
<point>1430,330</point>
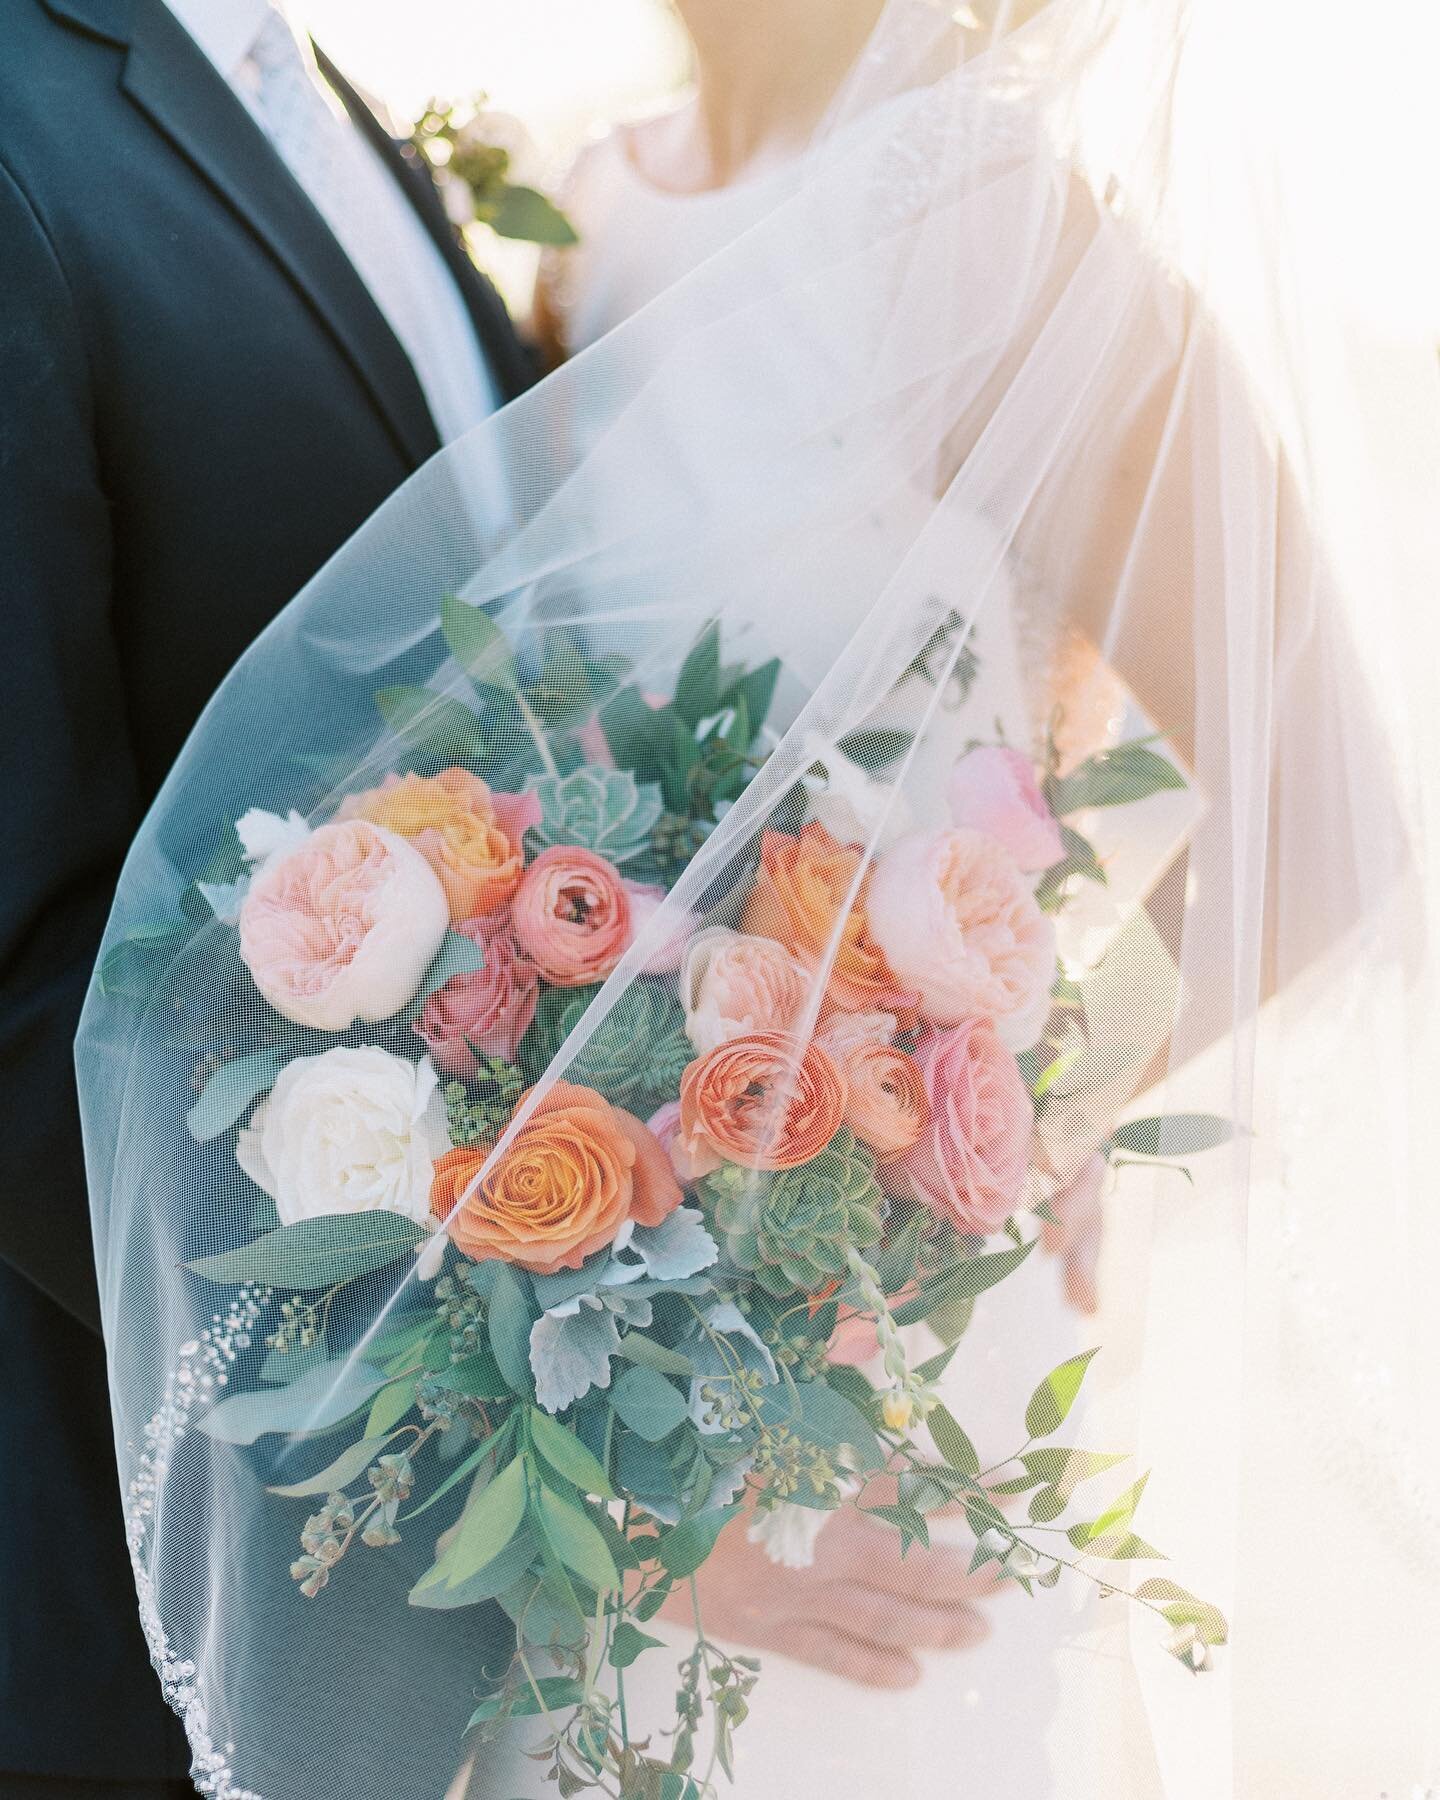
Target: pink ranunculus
<point>343,927</point>
<point>969,1163</point>
<point>732,985</point>
<point>993,789</point>
<point>571,916</point>
<point>486,1010</point>
<point>956,920</point>
<point>646,899</point>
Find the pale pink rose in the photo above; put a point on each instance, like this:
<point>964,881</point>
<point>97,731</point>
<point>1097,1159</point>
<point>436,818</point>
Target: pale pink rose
<point>993,789</point>
<point>956,920</point>
<point>571,916</point>
<point>343,927</point>
<point>485,1010</point>
<point>646,899</point>
<point>969,1163</point>
<point>732,985</point>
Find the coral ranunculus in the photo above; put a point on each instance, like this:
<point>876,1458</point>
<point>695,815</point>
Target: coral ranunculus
<point>887,1108</point>
<point>484,1012</point>
<point>572,916</point>
<point>472,837</point>
<point>969,1164</point>
<point>576,1172</point>
<point>810,895</point>
<point>342,927</point>
<point>957,918</point>
<point>765,1101</point>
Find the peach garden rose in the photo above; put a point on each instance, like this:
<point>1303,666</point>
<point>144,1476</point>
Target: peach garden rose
<point>470,835</point>
<point>574,1173</point>
<point>342,927</point>
<point>732,984</point>
<point>957,921</point>
<point>811,890</point>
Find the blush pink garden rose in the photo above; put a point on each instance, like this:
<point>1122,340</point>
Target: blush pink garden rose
<point>956,920</point>
<point>572,916</point>
<point>486,1010</point>
<point>993,789</point>
<point>732,984</point>
<point>969,1163</point>
<point>343,927</point>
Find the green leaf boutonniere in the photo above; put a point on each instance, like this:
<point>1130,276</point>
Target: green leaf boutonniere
<point>460,142</point>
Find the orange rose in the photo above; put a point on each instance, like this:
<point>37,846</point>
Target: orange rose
<point>764,1100</point>
<point>803,899</point>
<point>472,838</point>
<point>575,1172</point>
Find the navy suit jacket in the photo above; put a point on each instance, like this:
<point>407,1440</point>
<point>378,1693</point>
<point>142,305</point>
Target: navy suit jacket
<point>199,402</point>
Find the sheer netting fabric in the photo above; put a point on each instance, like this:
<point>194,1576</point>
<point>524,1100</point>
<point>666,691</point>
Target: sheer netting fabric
<point>918,744</point>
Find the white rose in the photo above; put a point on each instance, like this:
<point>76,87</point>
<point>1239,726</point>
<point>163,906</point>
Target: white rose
<point>343,926</point>
<point>348,1131</point>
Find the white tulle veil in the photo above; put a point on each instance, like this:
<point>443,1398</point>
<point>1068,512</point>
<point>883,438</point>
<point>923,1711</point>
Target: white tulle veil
<point>1034,351</point>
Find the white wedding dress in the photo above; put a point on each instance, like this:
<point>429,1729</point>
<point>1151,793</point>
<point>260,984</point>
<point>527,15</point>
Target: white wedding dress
<point>988,1723</point>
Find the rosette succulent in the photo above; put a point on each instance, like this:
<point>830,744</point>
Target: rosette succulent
<point>604,810</point>
<point>636,1055</point>
<point>791,1229</point>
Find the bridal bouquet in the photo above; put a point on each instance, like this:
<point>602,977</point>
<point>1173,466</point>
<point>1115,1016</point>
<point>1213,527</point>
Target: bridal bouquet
<point>651,1267</point>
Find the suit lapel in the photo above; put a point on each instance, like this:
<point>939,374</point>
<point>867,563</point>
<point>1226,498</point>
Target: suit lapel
<point>509,361</point>
<point>177,88</point>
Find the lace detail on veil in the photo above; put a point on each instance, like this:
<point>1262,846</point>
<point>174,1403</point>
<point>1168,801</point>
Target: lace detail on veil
<point>202,1369</point>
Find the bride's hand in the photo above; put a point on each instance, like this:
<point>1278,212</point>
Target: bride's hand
<point>860,1610</point>
<point>1075,1235</point>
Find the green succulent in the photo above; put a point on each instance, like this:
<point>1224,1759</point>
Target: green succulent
<point>604,810</point>
<point>635,1057</point>
<point>791,1229</point>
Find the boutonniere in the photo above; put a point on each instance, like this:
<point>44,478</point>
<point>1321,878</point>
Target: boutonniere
<point>472,169</point>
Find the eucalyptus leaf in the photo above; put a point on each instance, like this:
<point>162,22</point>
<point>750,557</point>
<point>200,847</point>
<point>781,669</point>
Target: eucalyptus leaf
<point>431,724</point>
<point>509,1321</point>
<point>500,1573</point>
<point>628,1643</point>
<point>229,1091</point>
<point>338,1475</point>
<point>477,643</point>
<point>648,1404</point>
<point>320,1398</point>
<point>315,1253</point>
<point>557,1693</point>
<point>457,955</point>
